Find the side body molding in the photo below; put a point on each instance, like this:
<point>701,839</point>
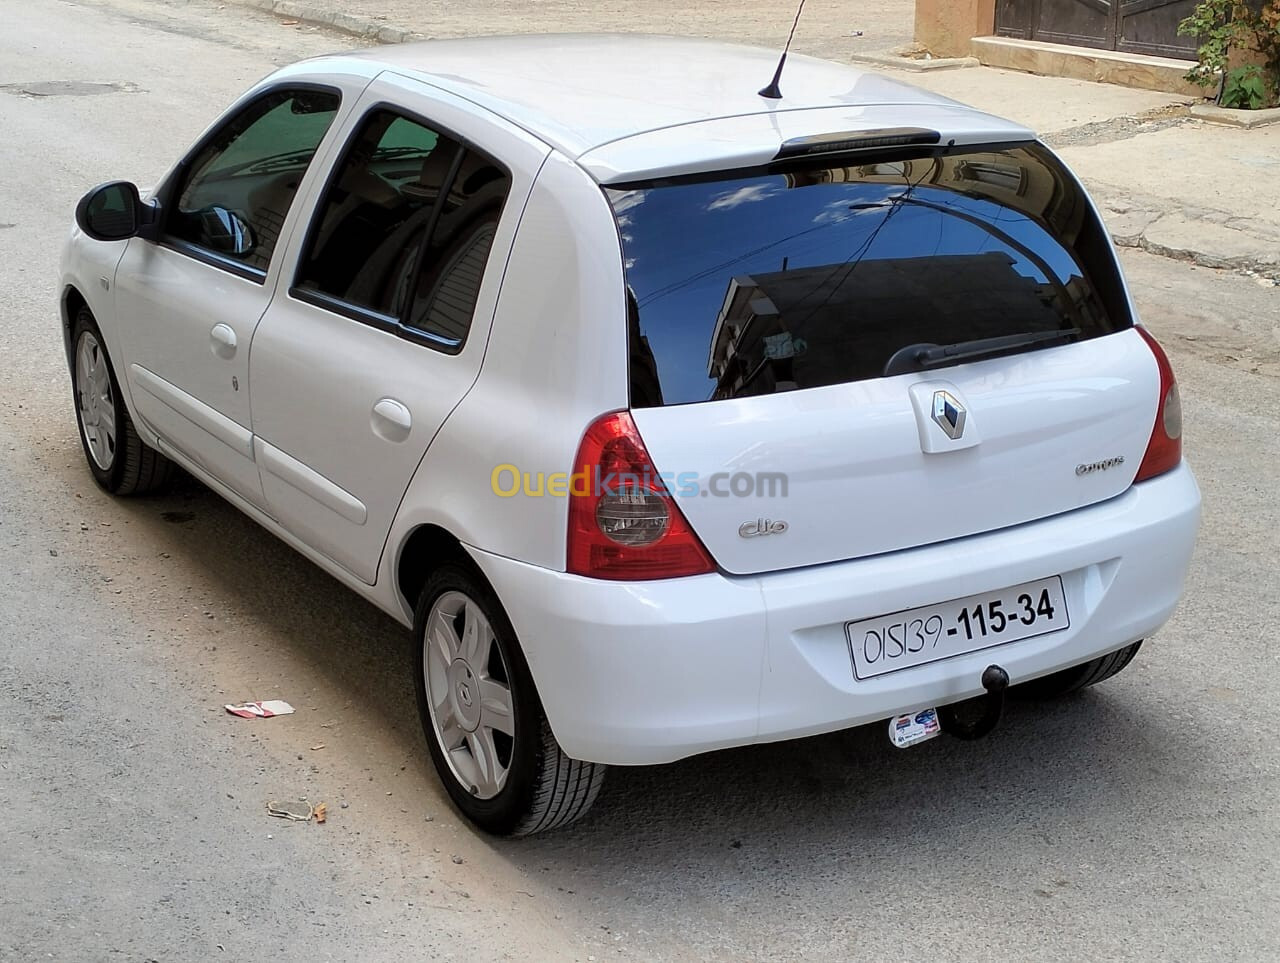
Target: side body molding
<point>311,483</point>
<point>235,436</point>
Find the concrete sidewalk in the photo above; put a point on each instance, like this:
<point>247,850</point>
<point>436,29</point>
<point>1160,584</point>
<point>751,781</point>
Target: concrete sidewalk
<point>1167,182</point>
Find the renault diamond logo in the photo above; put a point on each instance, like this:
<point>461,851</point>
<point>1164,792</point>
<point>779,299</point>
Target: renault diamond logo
<point>948,413</point>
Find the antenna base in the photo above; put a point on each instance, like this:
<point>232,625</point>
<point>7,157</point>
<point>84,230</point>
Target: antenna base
<point>773,91</point>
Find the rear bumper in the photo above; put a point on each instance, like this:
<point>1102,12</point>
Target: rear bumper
<point>651,672</point>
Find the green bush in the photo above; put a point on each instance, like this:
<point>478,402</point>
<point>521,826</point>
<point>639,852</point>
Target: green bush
<point>1224,27</point>
<point>1244,87</point>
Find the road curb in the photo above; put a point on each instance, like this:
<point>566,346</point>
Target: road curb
<point>1265,265</point>
<point>1245,119</point>
<point>376,30</point>
<point>1204,236</point>
<point>1262,267</point>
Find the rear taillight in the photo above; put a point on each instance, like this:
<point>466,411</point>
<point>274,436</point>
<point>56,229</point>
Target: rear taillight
<point>623,522</point>
<point>1164,450</point>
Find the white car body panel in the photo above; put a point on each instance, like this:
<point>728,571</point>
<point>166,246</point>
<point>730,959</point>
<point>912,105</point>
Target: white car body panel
<point>859,481</point>
<point>643,672</point>
<point>337,466</point>
<point>187,386</point>
<point>650,672</point>
<point>89,267</point>
<point>181,389</point>
<point>578,92</point>
<point>754,139</point>
<point>565,265</point>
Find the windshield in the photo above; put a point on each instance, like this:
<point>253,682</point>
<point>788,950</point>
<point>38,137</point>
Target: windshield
<point>748,283</point>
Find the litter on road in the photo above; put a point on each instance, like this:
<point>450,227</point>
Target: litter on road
<point>260,710</point>
<point>299,811</point>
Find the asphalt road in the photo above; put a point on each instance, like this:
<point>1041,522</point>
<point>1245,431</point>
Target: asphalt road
<point>1138,820</point>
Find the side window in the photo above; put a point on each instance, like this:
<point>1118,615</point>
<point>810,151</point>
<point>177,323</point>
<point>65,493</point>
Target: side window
<point>368,230</point>
<point>453,266</point>
<point>406,226</point>
<point>234,194</point>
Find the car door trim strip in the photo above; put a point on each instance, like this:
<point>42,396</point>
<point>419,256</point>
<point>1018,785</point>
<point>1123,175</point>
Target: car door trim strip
<point>235,436</point>
<point>310,482</point>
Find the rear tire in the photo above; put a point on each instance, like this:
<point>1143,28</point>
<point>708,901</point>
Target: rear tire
<point>121,462</point>
<point>1078,676</point>
<point>489,737</point>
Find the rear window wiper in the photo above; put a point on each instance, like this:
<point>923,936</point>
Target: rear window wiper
<point>922,357</point>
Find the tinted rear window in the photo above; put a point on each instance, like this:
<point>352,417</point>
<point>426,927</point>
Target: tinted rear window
<point>749,283</point>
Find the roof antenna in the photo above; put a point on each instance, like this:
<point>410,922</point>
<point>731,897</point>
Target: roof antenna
<point>772,91</point>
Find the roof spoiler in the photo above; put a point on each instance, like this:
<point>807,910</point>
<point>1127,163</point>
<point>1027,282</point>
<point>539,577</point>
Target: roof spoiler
<point>852,140</point>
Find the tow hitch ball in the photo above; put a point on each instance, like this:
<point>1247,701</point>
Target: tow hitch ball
<point>995,680</point>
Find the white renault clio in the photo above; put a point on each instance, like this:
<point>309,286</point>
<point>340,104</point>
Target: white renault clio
<point>671,416</point>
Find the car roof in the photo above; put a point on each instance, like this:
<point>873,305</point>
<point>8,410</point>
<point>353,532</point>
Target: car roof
<point>582,92</point>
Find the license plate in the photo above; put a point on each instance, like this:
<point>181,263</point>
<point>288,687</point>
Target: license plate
<point>918,636</point>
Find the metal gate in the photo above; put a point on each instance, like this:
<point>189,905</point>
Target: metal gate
<point>1135,26</point>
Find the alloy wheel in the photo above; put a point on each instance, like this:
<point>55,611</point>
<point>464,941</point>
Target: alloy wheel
<point>96,401</point>
<point>469,694</point>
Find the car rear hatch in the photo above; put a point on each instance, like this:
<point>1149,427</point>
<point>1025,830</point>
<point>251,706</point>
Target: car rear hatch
<point>844,355</point>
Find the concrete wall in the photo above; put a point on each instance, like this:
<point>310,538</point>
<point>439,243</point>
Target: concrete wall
<point>944,27</point>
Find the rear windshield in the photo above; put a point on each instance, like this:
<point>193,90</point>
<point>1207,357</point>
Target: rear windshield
<point>752,282</point>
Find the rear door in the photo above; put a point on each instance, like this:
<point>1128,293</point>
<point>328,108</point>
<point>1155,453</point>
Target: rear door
<point>840,358</point>
<point>379,326</point>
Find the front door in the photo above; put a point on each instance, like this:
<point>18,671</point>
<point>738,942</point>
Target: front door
<point>188,302</point>
<point>1135,26</point>
<point>379,326</point>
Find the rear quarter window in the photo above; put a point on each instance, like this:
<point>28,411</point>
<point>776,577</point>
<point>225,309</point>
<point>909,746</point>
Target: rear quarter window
<point>749,283</point>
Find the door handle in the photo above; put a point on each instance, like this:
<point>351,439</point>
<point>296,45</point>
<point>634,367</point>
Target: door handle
<point>391,420</point>
<point>223,339</point>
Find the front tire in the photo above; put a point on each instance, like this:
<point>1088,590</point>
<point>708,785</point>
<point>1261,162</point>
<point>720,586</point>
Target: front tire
<point>1078,676</point>
<point>121,462</point>
<point>488,735</point>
